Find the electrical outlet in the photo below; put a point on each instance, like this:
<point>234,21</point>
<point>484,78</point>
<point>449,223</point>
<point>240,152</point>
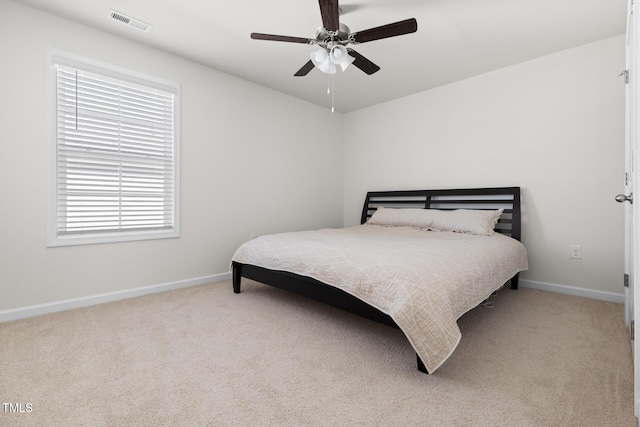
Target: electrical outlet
<point>575,252</point>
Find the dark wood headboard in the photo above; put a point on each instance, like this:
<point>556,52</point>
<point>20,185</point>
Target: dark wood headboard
<point>507,198</point>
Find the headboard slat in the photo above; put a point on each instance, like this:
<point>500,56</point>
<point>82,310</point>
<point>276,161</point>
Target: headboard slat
<point>507,198</point>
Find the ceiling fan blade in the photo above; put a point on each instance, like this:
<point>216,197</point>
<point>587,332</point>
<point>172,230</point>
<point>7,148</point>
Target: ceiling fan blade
<point>390,30</point>
<point>363,63</point>
<point>305,69</point>
<point>276,38</point>
<point>330,14</point>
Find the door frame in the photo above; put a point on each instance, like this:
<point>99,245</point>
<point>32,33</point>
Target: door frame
<point>632,238</point>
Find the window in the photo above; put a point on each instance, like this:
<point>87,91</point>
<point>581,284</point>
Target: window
<point>114,154</point>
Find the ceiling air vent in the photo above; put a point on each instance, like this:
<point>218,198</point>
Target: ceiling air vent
<point>133,22</point>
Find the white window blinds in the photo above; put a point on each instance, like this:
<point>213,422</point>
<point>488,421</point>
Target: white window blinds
<point>115,155</point>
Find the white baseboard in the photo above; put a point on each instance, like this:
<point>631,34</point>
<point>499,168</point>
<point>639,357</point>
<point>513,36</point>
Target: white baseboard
<point>573,290</point>
<point>36,310</point>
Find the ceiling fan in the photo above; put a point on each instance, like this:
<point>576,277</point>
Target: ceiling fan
<point>333,37</point>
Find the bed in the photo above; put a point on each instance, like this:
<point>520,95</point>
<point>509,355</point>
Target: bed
<point>418,261</point>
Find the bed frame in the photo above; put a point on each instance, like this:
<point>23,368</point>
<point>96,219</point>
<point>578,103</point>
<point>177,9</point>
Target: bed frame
<point>507,198</point>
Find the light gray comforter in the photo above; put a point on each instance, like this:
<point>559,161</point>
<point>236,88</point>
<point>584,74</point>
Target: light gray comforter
<point>424,280</point>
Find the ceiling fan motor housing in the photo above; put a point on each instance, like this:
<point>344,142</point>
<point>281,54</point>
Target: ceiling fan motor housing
<point>326,39</point>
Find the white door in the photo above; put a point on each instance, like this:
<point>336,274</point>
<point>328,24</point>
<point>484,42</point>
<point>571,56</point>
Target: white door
<point>632,172</point>
<point>628,175</point>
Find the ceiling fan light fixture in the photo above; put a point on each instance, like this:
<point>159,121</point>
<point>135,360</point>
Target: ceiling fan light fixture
<point>319,56</point>
<point>339,56</point>
<point>322,61</point>
<point>328,67</point>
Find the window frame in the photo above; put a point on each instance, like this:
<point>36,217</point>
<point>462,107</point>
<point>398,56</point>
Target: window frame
<point>54,238</point>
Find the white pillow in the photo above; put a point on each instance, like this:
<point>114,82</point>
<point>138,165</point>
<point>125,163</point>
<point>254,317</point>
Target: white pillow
<point>407,217</point>
<point>472,221</point>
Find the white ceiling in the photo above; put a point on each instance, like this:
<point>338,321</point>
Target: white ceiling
<point>456,39</point>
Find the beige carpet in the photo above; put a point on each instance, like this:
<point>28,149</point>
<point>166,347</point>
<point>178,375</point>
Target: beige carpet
<point>205,356</point>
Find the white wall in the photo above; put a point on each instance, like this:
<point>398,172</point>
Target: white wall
<point>248,165</point>
<point>553,126</point>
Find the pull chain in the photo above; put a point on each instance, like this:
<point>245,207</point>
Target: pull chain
<point>332,94</point>
<point>330,90</point>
